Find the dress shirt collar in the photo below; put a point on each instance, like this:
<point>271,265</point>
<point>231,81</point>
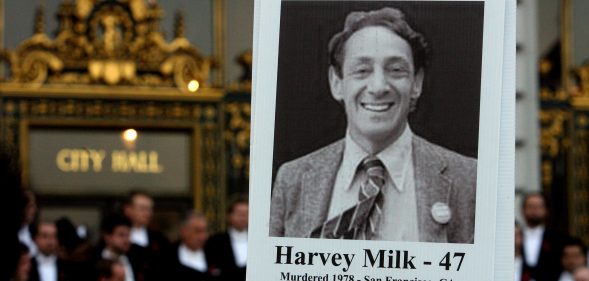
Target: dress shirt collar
<point>139,236</point>
<point>108,254</point>
<point>536,232</point>
<point>238,241</point>
<point>353,155</point>
<point>533,244</point>
<point>237,235</point>
<point>566,276</point>
<point>193,259</point>
<point>47,267</point>
<point>395,159</point>
<point>43,259</point>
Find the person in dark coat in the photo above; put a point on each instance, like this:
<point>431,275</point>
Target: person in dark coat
<point>541,245</point>
<point>46,265</point>
<point>188,259</point>
<point>229,248</point>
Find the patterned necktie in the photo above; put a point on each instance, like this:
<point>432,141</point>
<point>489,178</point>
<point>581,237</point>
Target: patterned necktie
<point>372,188</point>
<point>361,219</point>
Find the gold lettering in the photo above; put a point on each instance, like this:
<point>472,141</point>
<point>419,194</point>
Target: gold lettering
<point>84,159</point>
<point>119,161</point>
<point>140,161</point>
<point>137,162</point>
<point>79,160</point>
<point>97,156</point>
<point>154,166</point>
<point>134,161</point>
<point>63,160</point>
<point>75,164</point>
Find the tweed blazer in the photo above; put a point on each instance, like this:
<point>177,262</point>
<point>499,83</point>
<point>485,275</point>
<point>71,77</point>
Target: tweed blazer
<point>303,190</point>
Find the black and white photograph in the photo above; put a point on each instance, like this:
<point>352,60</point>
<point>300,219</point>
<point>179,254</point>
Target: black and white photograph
<point>382,140</point>
<point>377,120</point>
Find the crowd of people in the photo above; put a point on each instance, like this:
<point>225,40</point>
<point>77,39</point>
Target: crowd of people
<point>544,254</point>
<point>128,250</point>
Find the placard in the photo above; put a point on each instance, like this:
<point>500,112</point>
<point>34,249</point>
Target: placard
<point>376,140</point>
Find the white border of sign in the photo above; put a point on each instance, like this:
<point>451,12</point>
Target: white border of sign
<point>494,176</point>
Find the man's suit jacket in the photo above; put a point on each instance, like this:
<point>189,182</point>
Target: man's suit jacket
<point>549,265</point>
<point>222,257</point>
<point>169,267</point>
<point>303,190</point>
<point>148,257</point>
<point>135,255</point>
<point>157,241</point>
<point>64,271</point>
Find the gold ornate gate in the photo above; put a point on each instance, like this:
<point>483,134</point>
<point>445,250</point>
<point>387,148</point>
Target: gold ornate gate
<point>564,119</point>
<point>110,68</point>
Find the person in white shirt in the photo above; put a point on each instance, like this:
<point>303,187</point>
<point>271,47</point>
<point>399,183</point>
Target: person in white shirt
<point>115,233</point>
<point>573,257</point>
<point>194,234</point>
<point>45,266</point>
<point>238,222</point>
<point>541,246</point>
<point>139,209</point>
<point>147,243</point>
<point>229,249</point>
<point>188,260</point>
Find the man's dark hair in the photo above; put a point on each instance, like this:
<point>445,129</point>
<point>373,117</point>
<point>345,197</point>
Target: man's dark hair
<point>67,234</point>
<point>533,194</point>
<point>575,242</point>
<point>133,193</point>
<point>104,268</point>
<point>34,229</point>
<point>389,18</point>
<point>190,215</point>
<point>113,221</point>
<point>240,199</point>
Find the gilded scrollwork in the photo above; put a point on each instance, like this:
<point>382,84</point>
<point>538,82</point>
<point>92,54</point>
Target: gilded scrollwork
<point>552,131</point>
<point>579,192</point>
<point>244,84</point>
<point>108,42</point>
<point>211,149</point>
<point>547,176</point>
<point>237,137</point>
<point>554,142</point>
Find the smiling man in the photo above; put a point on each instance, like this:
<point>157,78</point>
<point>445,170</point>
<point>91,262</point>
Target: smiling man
<point>381,181</point>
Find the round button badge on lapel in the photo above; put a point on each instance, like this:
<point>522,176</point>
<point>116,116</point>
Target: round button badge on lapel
<point>441,212</point>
